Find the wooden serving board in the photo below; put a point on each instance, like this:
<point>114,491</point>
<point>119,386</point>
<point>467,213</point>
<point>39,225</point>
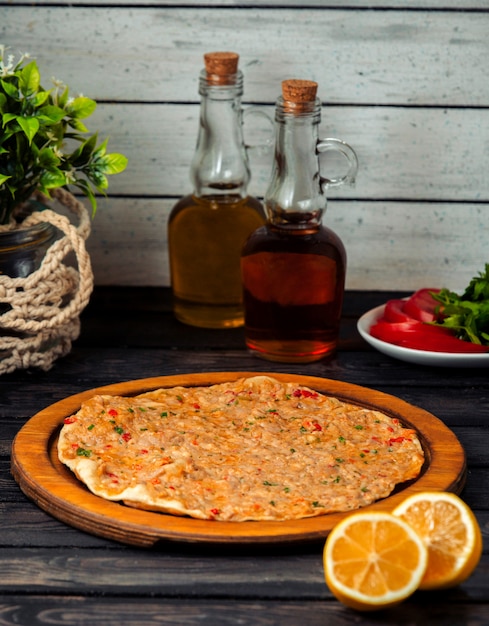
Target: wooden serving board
<point>53,487</point>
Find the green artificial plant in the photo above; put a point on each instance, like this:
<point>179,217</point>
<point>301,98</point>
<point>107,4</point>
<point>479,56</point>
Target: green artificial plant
<point>43,142</point>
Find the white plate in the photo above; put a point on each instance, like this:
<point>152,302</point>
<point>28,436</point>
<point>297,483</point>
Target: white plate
<point>420,357</point>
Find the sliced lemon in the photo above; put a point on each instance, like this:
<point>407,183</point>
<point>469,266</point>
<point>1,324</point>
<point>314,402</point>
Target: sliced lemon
<point>450,532</point>
<point>373,560</point>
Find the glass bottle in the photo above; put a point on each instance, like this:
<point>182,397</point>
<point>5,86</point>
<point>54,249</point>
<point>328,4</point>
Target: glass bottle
<point>207,228</point>
<point>293,268</point>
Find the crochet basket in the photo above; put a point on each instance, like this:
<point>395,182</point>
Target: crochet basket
<point>39,313</point>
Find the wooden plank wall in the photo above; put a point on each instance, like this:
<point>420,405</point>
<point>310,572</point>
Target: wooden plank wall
<point>405,82</point>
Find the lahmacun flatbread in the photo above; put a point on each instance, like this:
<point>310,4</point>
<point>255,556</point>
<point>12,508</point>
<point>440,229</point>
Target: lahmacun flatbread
<point>253,449</point>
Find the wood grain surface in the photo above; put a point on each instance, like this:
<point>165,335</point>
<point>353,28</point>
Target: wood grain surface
<point>54,488</point>
<point>51,572</point>
<point>403,81</point>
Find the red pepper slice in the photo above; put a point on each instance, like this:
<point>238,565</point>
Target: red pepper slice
<point>394,312</point>
<point>420,336</point>
<point>422,306</point>
<point>447,344</point>
<point>388,331</point>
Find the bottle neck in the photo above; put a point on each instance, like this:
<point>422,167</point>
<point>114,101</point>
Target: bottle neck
<point>220,163</point>
<point>294,198</point>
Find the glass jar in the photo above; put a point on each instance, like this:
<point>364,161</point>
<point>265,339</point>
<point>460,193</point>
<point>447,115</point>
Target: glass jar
<point>293,268</point>
<point>22,249</point>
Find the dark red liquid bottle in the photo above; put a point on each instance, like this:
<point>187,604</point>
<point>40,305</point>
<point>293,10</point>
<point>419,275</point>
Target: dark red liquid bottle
<point>293,268</point>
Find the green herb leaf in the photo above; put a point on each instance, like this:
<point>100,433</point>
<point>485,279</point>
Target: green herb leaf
<point>83,452</point>
<point>467,314</point>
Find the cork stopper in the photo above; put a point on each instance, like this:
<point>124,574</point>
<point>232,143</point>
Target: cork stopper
<point>298,95</point>
<point>221,66</point>
<point>296,90</point>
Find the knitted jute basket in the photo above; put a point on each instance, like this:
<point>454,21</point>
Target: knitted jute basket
<point>42,318</point>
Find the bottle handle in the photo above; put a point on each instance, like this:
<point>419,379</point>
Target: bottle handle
<point>267,144</point>
<point>337,145</point>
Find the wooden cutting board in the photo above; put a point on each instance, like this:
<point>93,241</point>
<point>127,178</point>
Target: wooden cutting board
<point>53,487</point>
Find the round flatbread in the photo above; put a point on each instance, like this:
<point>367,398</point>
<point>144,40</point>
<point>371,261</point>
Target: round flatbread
<point>252,449</point>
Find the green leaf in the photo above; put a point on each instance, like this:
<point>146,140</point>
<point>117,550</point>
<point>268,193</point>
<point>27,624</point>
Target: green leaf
<point>8,117</point>
<point>112,163</point>
<point>85,188</point>
<point>78,125</point>
<point>467,315</point>
<point>63,98</point>
<point>10,89</point>
<point>93,201</point>
<point>29,79</point>
<point>30,126</point>
<point>82,155</point>
<point>48,159</point>
<point>99,180</point>
<point>81,107</point>
<point>40,98</point>
<point>478,288</point>
<point>51,114</point>
<point>52,179</point>
<point>101,150</point>
<point>3,178</point>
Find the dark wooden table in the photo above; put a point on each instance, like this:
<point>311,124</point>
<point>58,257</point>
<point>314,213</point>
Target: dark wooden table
<point>51,573</point>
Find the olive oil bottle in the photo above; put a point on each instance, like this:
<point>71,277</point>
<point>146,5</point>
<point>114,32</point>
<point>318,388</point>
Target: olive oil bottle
<point>207,229</point>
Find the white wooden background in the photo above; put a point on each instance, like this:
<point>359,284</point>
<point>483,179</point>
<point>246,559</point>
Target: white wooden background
<point>405,82</point>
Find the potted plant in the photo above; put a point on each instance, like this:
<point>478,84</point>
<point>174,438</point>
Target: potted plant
<point>45,152</point>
